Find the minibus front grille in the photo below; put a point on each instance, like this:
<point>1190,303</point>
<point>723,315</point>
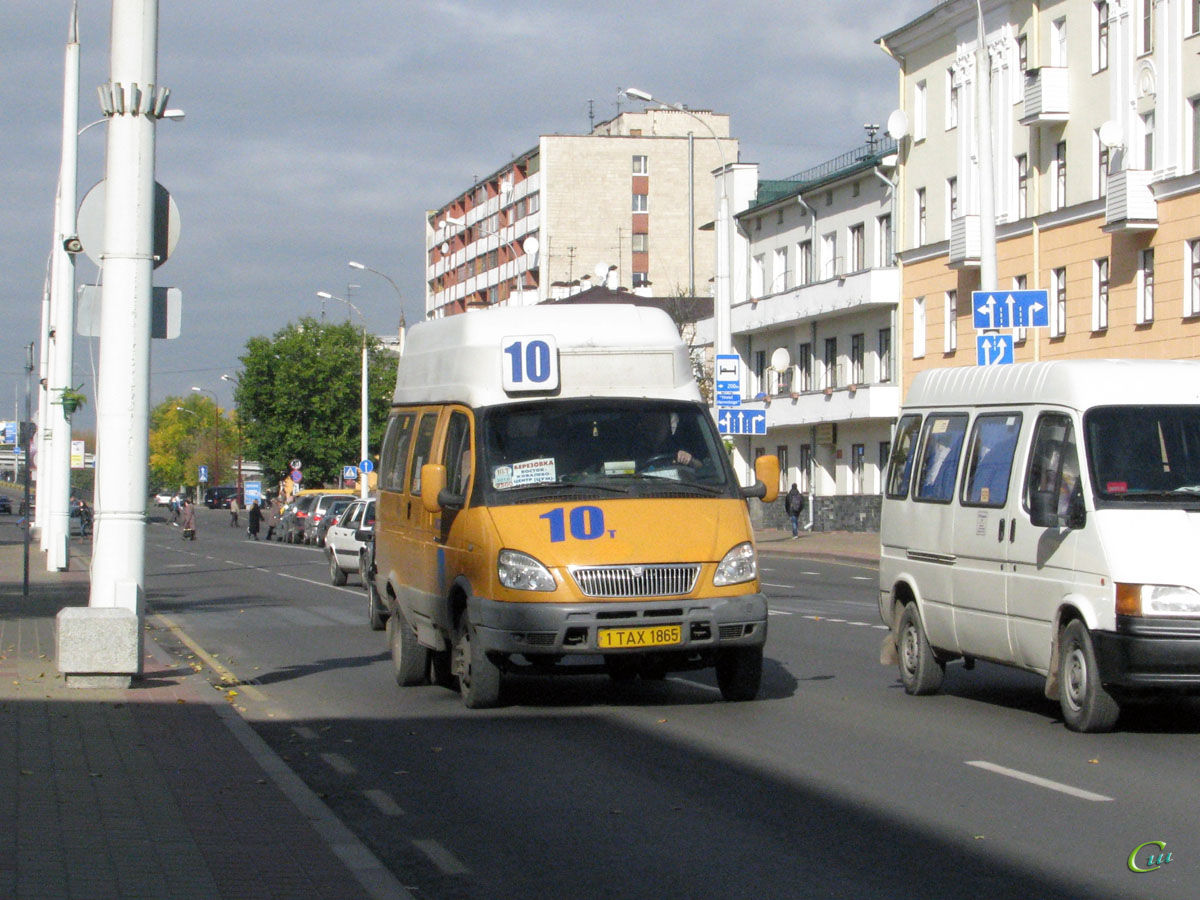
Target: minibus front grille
<point>635,581</point>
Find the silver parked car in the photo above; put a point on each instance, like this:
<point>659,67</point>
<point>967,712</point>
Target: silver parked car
<point>342,548</point>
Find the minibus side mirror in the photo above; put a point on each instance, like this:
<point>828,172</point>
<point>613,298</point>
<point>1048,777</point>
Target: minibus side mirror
<point>433,482</point>
<point>766,475</point>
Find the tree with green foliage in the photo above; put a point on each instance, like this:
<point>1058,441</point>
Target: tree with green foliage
<point>299,397</point>
<point>186,433</point>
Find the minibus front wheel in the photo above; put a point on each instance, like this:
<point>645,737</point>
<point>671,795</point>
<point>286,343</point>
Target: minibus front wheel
<point>1086,705</point>
<point>409,658</point>
<point>478,676</point>
<point>920,670</point>
<point>739,672</point>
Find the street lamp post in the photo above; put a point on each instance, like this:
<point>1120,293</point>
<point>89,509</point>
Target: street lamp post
<point>238,422</point>
<point>362,476</point>
<point>216,434</point>
<point>722,305</point>
<point>399,298</point>
<point>184,409</point>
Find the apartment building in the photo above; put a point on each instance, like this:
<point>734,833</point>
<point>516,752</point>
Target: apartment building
<point>621,206</point>
<point>815,293</point>
<point>1095,131</point>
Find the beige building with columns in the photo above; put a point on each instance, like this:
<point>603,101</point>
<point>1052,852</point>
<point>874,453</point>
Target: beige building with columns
<point>1095,131</point>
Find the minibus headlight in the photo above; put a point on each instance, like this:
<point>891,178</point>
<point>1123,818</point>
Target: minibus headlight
<point>524,573</point>
<point>1156,600</point>
<point>739,565</point>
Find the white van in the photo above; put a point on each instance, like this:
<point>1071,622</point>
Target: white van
<point>1047,516</point>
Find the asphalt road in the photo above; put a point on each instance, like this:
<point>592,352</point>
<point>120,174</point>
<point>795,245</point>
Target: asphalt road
<point>833,784</point>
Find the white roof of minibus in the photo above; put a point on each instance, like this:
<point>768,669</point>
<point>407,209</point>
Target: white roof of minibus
<point>604,350</point>
<point>1076,384</point>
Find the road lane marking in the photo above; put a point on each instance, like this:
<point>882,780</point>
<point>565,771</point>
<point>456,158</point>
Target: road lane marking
<point>772,584</point>
<point>227,675</point>
<point>441,857</point>
<point>339,763</point>
<point>860,578</point>
<point>696,684</point>
<point>1039,781</point>
<point>181,565</point>
<point>779,612</point>
<point>383,802</point>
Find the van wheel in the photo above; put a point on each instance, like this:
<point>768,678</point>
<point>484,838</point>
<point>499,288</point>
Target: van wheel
<point>377,616</point>
<point>478,676</point>
<point>336,575</point>
<point>739,672</point>
<point>920,671</point>
<point>1086,705</point>
<point>409,658</point>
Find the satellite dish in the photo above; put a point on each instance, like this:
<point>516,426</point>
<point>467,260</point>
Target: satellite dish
<point>601,270</point>
<point>781,360</point>
<point>897,124</point>
<point>1111,134</point>
<point>445,248</point>
<point>530,246</point>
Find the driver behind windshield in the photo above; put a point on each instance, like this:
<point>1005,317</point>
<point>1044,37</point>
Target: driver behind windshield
<point>661,440</point>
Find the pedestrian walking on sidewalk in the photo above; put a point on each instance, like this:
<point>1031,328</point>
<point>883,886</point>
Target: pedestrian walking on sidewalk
<point>233,512</point>
<point>274,515</point>
<point>255,517</point>
<point>187,519</point>
<point>793,505</point>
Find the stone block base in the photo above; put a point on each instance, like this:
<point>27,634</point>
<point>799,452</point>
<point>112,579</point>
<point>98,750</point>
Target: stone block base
<point>98,646</point>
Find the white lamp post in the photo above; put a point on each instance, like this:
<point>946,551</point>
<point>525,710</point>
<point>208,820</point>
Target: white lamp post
<point>399,298</point>
<point>362,476</point>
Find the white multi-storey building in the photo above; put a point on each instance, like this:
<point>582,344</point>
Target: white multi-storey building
<point>620,206</point>
<point>814,298</point>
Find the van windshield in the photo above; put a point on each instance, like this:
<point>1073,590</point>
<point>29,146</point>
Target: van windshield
<point>1144,453</point>
<point>600,447</point>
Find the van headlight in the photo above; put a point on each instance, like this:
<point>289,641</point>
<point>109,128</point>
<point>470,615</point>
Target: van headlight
<point>1156,600</point>
<point>522,572</point>
<point>739,565</point>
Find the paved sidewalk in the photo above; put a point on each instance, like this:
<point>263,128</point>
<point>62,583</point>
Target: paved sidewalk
<point>160,791</point>
<point>839,546</point>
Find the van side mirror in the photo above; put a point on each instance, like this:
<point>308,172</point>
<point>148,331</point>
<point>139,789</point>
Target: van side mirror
<point>364,535</point>
<point>433,482</point>
<point>766,474</point>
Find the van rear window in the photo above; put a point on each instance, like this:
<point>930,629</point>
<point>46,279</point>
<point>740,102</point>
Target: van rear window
<point>941,447</point>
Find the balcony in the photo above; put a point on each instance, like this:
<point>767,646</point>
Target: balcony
<point>1046,97</point>
<point>867,290</point>
<point>842,404</point>
<point>1129,203</point>
<point>964,242</point>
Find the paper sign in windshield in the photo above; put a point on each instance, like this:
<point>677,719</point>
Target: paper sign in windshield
<point>531,471</point>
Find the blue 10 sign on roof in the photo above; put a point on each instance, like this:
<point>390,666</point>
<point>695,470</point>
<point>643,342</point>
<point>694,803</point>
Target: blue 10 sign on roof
<point>529,363</point>
<point>1011,309</point>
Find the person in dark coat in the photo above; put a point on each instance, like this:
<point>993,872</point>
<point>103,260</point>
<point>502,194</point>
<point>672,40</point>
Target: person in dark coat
<point>187,517</point>
<point>255,517</point>
<point>793,505</point>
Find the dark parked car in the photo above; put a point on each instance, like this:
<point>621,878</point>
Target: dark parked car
<point>325,513</point>
<point>295,519</point>
<point>5,505</point>
<point>219,497</point>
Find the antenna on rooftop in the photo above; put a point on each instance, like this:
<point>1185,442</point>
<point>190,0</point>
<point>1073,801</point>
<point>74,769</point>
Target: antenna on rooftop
<point>591,115</point>
<point>872,129</point>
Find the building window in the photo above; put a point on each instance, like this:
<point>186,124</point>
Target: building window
<point>1147,30</point>
<point>950,338</point>
<point>641,243</point>
<point>1148,141</point>
<point>829,197</point>
<point>1058,42</point>
<point>1058,303</point>
<point>779,216</point>
<point>1059,199</point>
<point>858,247</point>
<point>641,279</point>
<point>1023,52</point>
<point>1100,294</point>
<point>919,111</point>
<point>1020,283</point>
<point>831,264</point>
<point>1101,166</point>
<point>858,354</point>
<point>1191,293</point>
<point>641,202</point>
<point>1022,185</point>
<point>760,370</point>
<point>918,330</point>
<point>804,263</point>
<point>858,458</point>
<point>922,218</point>
<point>779,272</point>
<point>640,163</point>
<point>1194,17</point>
<point>758,267</point>
<point>758,223</point>
<point>1194,103</point>
<point>831,374</point>
<point>885,355</point>
<point>1100,50</point>
<point>803,481</point>
<point>1145,287</point>
<point>883,240</point>
<point>804,362</point>
<point>952,198</point>
<point>781,452</point>
<point>951,100</point>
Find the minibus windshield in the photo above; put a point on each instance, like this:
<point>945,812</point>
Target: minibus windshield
<point>608,447</point>
<point>1144,453</point>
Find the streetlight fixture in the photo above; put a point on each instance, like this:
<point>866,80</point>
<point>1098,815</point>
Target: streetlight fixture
<point>400,299</point>
<point>722,305</point>
<point>236,382</point>
<point>325,295</point>
<point>216,433</point>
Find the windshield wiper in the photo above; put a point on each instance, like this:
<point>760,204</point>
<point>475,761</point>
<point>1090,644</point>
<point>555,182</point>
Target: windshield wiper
<point>575,485</point>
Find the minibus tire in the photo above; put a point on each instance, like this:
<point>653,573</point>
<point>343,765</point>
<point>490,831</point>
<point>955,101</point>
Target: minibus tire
<point>1086,706</point>
<point>739,672</point>
<point>409,658</point>
<point>377,615</point>
<point>921,671</point>
<point>478,676</point>
<point>336,575</point>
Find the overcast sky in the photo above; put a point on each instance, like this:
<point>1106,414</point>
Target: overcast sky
<point>320,132</point>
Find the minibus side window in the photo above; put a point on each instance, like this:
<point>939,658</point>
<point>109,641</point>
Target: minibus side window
<point>904,450</point>
<point>989,459</point>
<point>456,455</point>
<point>424,443</point>
<point>941,447</point>
<point>394,457</point>
<point>1053,493</point>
